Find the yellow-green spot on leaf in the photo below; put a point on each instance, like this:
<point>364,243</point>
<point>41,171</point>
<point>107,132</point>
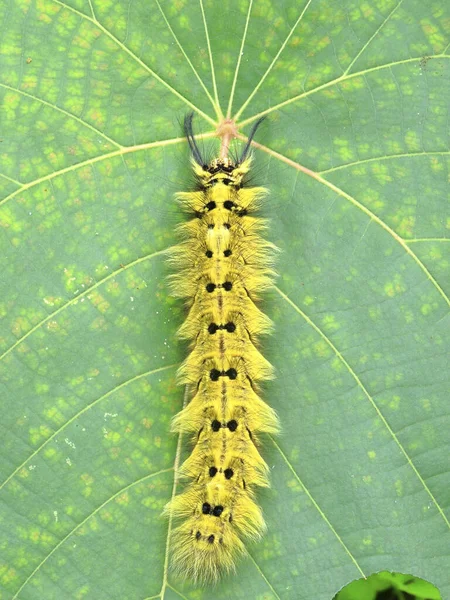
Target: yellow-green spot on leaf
<point>34,535</point>
<point>394,287</point>
<point>86,492</point>
<point>50,453</point>
<point>367,541</point>
<point>414,445</point>
<point>39,434</point>
<point>100,303</point>
<point>106,515</point>
<point>408,316</point>
<point>375,312</point>
<point>41,388</point>
<point>406,226</point>
<point>8,575</point>
<point>53,326</point>
<point>24,473</point>
<point>94,524</point>
<point>123,499</point>
<point>337,365</point>
<point>371,454</point>
<point>44,519</point>
<point>322,349</point>
<point>381,172</point>
<point>294,455</point>
<point>9,221</point>
<point>399,487</point>
<point>435,253</point>
<point>356,83</point>
<point>329,323</point>
<point>428,308</point>
<point>426,403</point>
<point>367,11</point>
<point>112,436</point>
<point>54,415</point>
<point>437,165</point>
<point>113,288</point>
<point>294,485</point>
<point>413,141</point>
<point>425,309</point>
<point>87,479</point>
<point>308,300</point>
<point>52,300</point>
<point>343,150</point>
<point>82,592</point>
<point>20,326</point>
<point>306,352</point>
<point>394,403</point>
<point>436,38</point>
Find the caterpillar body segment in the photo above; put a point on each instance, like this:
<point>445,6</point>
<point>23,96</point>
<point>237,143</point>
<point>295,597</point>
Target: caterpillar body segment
<point>222,265</point>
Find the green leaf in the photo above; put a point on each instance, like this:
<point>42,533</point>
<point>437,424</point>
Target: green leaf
<point>418,588</point>
<point>355,152</point>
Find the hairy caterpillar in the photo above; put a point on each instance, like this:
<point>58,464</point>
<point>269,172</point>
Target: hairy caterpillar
<point>223,264</point>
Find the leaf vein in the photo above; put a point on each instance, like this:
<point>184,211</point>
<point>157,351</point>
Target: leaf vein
<point>80,412</point>
<point>372,37</point>
<point>369,397</point>
<point>335,81</point>
<point>63,111</point>
<point>81,295</point>
<point>138,60</point>
<point>361,207</point>
<point>77,527</point>
<point>315,504</point>
<point>272,64</point>
<point>388,157</point>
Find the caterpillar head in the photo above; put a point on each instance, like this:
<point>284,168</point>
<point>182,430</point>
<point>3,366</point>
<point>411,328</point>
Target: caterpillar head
<point>223,168</point>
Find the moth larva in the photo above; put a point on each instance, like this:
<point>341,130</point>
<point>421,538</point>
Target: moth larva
<point>223,264</point>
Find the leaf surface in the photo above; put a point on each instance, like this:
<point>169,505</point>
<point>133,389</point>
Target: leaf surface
<point>355,152</point>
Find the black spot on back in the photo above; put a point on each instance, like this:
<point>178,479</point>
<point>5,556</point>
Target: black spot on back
<point>212,328</point>
<point>214,374</point>
<point>232,373</point>
<point>232,425</point>
<point>228,473</point>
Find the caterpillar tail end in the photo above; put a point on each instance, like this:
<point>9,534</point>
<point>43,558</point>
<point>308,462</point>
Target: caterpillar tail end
<point>207,560</point>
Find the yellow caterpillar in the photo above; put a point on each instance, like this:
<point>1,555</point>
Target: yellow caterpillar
<point>223,264</point>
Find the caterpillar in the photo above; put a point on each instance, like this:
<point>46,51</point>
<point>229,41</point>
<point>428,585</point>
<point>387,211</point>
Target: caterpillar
<point>223,264</point>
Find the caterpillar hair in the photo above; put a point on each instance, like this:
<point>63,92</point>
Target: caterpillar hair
<point>222,264</point>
